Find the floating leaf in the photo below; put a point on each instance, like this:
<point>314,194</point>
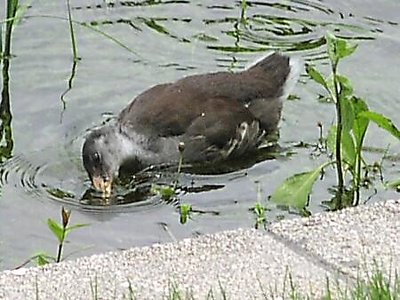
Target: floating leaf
<point>296,189</point>
<point>383,122</point>
<point>58,193</point>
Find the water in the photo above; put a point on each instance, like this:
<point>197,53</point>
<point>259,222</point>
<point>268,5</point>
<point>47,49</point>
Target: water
<point>41,169</point>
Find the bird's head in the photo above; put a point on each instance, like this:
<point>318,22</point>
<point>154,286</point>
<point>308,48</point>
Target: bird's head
<point>99,158</point>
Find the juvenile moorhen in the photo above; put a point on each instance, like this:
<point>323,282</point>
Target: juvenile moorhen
<point>216,115</point>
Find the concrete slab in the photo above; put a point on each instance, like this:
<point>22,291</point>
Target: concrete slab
<point>242,264</point>
<point>354,241</point>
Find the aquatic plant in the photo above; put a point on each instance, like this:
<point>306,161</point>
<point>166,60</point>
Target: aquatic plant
<point>169,193</point>
<point>60,231</point>
<point>345,138</point>
<point>261,217</point>
<point>185,212</point>
<point>260,210</point>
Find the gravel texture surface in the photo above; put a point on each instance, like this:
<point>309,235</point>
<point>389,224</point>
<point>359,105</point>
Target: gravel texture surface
<point>353,240</point>
<point>242,264</point>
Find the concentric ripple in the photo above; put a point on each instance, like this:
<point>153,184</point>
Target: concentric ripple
<point>26,171</point>
<point>64,180</point>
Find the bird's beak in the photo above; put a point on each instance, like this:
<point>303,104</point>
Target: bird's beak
<point>102,184</point>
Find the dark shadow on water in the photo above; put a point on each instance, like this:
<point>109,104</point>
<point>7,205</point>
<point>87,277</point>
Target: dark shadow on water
<point>70,82</point>
<point>265,153</point>
<point>136,190</point>
<point>6,139</point>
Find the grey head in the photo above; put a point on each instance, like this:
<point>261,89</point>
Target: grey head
<point>104,151</point>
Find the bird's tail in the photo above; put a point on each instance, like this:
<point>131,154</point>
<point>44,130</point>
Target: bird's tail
<point>280,69</point>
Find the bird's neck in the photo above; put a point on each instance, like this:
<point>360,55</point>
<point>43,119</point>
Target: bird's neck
<point>130,150</point>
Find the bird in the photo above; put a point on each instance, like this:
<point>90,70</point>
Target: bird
<point>210,117</point>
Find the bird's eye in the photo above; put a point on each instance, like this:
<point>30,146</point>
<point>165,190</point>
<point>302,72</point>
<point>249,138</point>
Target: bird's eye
<point>96,158</point>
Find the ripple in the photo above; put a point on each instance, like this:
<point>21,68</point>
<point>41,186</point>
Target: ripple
<point>56,175</point>
<point>20,172</point>
<point>293,26</point>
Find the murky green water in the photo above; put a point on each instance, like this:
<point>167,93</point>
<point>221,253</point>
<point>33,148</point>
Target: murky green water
<point>172,39</point>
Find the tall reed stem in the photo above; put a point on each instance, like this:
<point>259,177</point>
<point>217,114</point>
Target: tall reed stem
<point>11,10</point>
<point>5,107</point>
<point>339,129</point>
<point>357,181</point>
<point>72,33</point>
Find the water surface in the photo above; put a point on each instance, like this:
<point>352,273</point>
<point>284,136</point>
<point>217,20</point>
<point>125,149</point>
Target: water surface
<point>170,39</point>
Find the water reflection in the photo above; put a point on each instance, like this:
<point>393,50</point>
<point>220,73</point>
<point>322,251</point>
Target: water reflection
<point>136,190</point>
<point>291,26</point>
<point>6,138</point>
<point>45,174</point>
<point>69,88</point>
<point>112,4</point>
<point>286,26</point>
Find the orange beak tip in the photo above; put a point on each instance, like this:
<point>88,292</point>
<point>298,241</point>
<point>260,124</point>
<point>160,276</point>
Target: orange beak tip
<point>107,189</point>
<point>103,186</point>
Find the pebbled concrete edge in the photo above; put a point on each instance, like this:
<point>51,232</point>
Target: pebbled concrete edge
<point>241,264</point>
